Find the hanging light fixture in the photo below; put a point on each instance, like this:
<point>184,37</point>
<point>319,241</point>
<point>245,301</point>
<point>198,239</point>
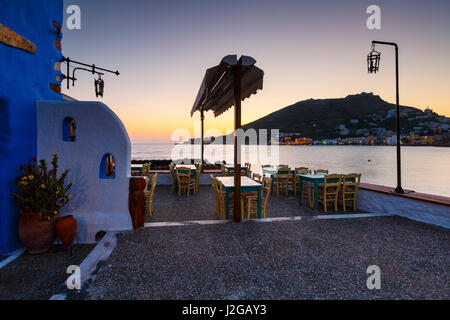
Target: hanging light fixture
<point>373,60</point>
<point>99,86</point>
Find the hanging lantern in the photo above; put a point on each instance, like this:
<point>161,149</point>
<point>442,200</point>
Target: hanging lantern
<point>373,60</point>
<point>99,86</point>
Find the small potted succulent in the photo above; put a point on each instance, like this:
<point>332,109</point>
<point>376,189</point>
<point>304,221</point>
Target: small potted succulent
<point>40,194</point>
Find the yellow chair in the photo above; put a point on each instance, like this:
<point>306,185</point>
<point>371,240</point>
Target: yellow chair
<point>172,175</point>
<point>185,180</point>
<point>295,179</point>
<point>282,179</point>
<point>146,169</point>
<point>321,171</point>
<point>249,166</point>
<point>224,170</point>
<point>222,201</point>
<point>257,177</point>
<point>149,196</point>
<point>329,191</point>
<point>250,203</point>
<point>349,189</point>
<point>199,174</point>
<point>215,189</point>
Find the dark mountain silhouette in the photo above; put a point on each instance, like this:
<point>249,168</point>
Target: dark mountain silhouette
<point>320,119</point>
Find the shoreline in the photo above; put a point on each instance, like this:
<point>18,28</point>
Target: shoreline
<point>300,145</point>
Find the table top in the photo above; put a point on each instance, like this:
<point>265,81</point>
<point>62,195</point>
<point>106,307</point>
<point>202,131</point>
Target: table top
<point>228,182</point>
<point>231,166</point>
<point>311,176</point>
<point>272,170</point>
<point>189,166</point>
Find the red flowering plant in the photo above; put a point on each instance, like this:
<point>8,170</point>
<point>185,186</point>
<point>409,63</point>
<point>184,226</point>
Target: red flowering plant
<point>40,190</point>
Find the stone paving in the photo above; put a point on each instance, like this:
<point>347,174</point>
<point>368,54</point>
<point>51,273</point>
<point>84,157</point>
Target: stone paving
<point>201,206</point>
<point>31,277</point>
<point>306,259</point>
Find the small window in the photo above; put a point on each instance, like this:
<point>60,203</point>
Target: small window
<point>107,167</point>
<point>69,129</point>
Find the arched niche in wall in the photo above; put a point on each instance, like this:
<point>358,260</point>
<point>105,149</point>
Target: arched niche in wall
<point>69,129</point>
<point>107,167</point>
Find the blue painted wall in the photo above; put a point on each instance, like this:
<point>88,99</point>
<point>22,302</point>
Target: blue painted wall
<point>24,79</point>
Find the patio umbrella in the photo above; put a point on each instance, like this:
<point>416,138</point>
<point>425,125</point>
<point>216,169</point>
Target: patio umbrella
<point>223,86</point>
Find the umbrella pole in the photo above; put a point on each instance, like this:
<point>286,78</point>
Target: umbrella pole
<point>202,118</point>
<point>237,146</point>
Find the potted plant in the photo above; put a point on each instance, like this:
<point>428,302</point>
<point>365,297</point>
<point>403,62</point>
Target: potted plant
<point>40,194</point>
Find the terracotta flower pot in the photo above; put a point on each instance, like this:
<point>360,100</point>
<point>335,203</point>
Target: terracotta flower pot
<point>66,228</point>
<point>36,233</point>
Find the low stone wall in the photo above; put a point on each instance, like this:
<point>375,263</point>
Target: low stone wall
<point>422,210</point>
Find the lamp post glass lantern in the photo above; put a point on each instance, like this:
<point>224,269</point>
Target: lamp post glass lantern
<point>373,60</point>
<point>99,86</point>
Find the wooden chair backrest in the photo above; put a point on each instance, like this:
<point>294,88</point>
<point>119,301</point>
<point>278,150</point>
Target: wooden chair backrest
<point>267,181</point>
<point>184,173</point>
<point>332,180</point>
<point>152,189</point>
<point>145,169</point>
<point>146,184</point>
<point>266,191</point>
<point>257,177</point>
<point>214,184</point>
<point>223,169</point>
<point>319,171</point>
<point>302,170</point>
<point>347,180</point>
<point>283,171</point>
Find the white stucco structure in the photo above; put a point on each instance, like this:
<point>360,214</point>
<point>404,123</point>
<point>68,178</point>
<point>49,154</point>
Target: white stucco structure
<point>98,204</point>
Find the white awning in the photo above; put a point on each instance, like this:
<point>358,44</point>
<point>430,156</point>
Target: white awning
<point>217,89</point>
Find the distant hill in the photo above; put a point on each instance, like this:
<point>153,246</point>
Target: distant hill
<point>332,118</point>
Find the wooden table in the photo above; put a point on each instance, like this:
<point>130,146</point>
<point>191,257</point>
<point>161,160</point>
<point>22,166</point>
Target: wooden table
<point>247,185</point>
<point>230,167</point>
<point>192,168</point>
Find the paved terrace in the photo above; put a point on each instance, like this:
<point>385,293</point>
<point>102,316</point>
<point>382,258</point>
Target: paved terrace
<point>202,206</point>
<point>294,259</point>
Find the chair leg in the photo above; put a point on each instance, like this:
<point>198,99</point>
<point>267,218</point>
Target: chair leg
<point>335,204</point>
<point>325,203</point>
<point>343,202</point>
<point>354,204</point>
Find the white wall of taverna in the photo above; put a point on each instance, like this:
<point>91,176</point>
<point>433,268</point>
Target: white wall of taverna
<point>98,203</point>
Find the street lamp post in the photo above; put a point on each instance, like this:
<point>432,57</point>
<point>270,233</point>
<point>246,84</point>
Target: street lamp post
<point>373,61</point>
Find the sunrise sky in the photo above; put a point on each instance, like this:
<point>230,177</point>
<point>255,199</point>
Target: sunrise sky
<point>307,49</point>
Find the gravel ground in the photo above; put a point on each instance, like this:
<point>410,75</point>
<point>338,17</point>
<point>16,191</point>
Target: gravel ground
<point>39,276</point>
<point>314,259</point>
<point>202,206</point>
